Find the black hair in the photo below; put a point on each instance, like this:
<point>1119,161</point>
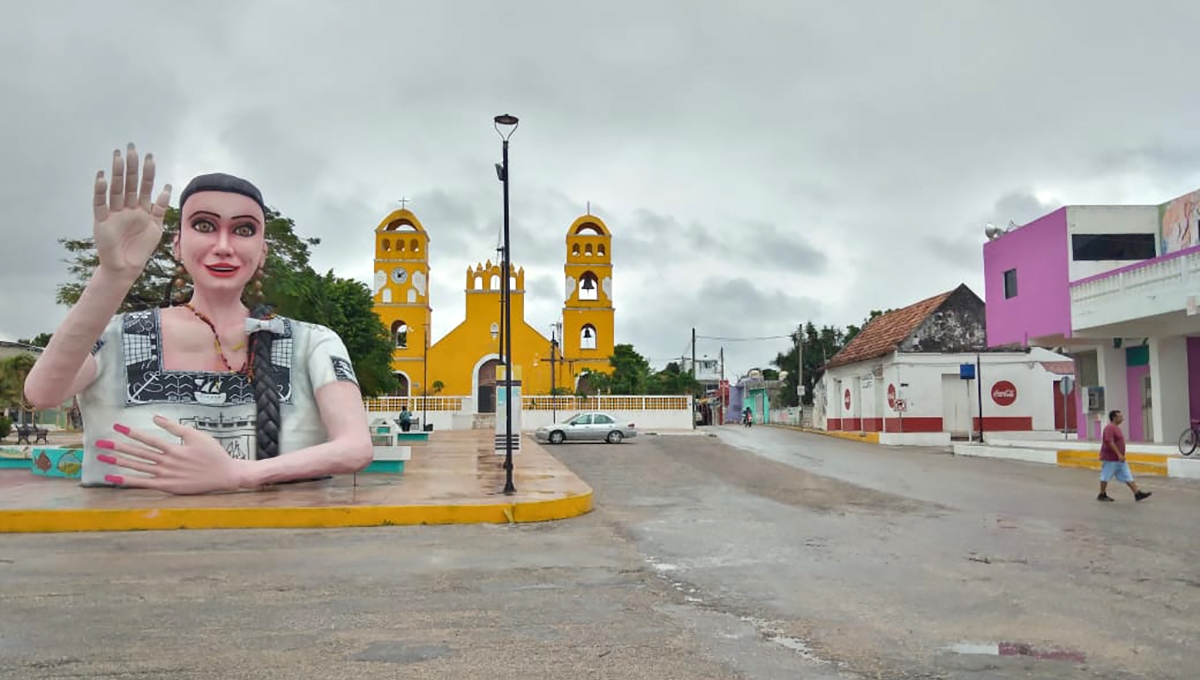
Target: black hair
<point>219,181</point>
<point>1112,415</point>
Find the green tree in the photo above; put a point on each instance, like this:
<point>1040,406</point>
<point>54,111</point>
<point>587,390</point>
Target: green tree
<point>593,383</point>
<point>289,282</point>
<point>673,380</point>
<point>631,371</point>
<point>819,348</point>
<point>39,340</point>
<point>13,372</point>
<point>346,306</point>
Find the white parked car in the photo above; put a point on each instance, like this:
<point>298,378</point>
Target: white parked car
<point>592,426</point>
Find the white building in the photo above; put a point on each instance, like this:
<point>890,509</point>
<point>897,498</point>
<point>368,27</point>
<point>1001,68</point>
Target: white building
<point>1115,286</point>
<point>901,379</point>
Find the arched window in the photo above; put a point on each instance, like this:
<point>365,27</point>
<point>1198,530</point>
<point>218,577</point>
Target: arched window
<point>588,287</point>
<point>600,250</point>
<point>587,337</point>
<point>574,250</point>
<point>588,227</point>
<point>400,334</point>
<point>494,284</point>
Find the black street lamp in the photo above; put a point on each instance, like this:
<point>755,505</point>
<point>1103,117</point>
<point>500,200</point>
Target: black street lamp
<point>509,123</point>
<point>553,373</point>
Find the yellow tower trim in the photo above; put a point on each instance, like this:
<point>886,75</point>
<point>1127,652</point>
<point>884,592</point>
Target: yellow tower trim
<point>401,217</point>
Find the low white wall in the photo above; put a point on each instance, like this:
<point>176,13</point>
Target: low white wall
<point>915,438</point>
<point>1039,435</point>
<point>442,420</point>
<point>1187,468</point>
<point>1006,452</point>
<point>644,420</point>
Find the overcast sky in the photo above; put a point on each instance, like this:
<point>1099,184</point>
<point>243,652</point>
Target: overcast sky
<point>760,164</point>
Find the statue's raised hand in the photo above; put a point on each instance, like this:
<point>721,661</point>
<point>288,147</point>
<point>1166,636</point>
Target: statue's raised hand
<point>128,227</point>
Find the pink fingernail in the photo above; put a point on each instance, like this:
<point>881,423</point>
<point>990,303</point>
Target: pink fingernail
<point>114,479</point>
<point>121,428</point>
<point>105,444</point>
<point>103,458</point>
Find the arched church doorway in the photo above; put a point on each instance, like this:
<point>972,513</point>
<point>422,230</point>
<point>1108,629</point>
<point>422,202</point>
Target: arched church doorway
<point>401,385</point>
<point>486,382</point>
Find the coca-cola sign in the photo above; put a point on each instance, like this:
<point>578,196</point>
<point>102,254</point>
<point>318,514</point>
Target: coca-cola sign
<point>847,399</point>
<point>1004,393</point>
<point>891,396</point>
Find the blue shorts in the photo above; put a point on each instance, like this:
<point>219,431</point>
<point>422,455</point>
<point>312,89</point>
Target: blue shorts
<point>1115,468</point>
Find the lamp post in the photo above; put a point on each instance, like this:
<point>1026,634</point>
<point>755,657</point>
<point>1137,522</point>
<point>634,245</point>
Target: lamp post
<point>553,375</point>
<point>425,381</point>
<point>509,123</point>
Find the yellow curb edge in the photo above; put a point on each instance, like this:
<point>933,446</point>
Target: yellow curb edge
<point>322,517</point>
<point>864,437</point>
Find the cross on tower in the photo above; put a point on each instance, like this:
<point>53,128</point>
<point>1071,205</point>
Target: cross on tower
<point>403,203</point>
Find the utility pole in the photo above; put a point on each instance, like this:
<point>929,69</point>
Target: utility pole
<point>721,388</point>
<point>693,352</point>
<point>979,390</point>
<point>800,367</point>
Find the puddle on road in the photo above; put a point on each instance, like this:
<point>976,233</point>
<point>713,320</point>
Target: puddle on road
<point>774,635</point>
<point>1016,649</point>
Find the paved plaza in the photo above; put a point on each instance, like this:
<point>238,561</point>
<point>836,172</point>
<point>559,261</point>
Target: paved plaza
<point>752,553</point>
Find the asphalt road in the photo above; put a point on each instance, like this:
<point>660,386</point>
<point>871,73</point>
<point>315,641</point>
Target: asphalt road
<point>758,553</point>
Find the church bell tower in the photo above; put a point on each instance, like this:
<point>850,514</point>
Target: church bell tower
<point>588,315</point>
<point>401,292</point>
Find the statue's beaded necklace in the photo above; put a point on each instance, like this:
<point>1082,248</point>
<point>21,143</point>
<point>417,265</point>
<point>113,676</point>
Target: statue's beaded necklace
<point>217,343</point>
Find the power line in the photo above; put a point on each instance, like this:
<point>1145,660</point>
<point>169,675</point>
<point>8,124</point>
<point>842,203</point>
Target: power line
<point>752,339</point>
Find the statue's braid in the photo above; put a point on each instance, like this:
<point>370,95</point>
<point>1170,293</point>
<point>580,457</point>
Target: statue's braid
<point>266,392</point>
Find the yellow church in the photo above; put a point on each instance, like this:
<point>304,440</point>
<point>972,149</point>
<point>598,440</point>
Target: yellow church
<point>464,361</point>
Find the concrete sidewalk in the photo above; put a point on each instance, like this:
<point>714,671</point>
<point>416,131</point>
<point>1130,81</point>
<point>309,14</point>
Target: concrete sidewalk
<point>454,478</point>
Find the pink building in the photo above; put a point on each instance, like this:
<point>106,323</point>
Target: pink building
<point>1116,288</point>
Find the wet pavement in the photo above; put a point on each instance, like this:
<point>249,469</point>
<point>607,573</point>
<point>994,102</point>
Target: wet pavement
<point>760,553</point>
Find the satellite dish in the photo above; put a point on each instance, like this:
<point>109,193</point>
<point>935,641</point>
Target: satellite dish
<point>1012,225</point>
<point>991,230</point>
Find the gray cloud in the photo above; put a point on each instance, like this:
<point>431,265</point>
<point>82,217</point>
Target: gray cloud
<point>751,160</point>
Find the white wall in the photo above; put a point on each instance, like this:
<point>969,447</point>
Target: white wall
<point>1169,388</point>
<point>918,380</point>
<point>1108,219</point>
<point>678,419</point>
<point>646,421</point>
<point>1110,363</point>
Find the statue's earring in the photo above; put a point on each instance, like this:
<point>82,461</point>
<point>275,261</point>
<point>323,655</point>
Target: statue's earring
<point>180,283</point>
<point>258,285</point>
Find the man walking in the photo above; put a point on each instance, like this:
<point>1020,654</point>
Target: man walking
<point>1112,459</point>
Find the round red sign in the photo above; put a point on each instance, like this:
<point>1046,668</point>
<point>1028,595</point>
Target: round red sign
<point>891,396</point>
<point>847,399</point>
<point>1004,393</point>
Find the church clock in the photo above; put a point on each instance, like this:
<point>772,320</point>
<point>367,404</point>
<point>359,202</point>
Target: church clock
<point>399,275</point>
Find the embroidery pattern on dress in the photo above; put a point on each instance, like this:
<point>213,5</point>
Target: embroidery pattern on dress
<point>146,382</point>
<point>344,370</point>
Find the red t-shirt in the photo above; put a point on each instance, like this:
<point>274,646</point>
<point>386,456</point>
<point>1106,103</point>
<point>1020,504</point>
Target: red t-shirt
<point>1114,442</point>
